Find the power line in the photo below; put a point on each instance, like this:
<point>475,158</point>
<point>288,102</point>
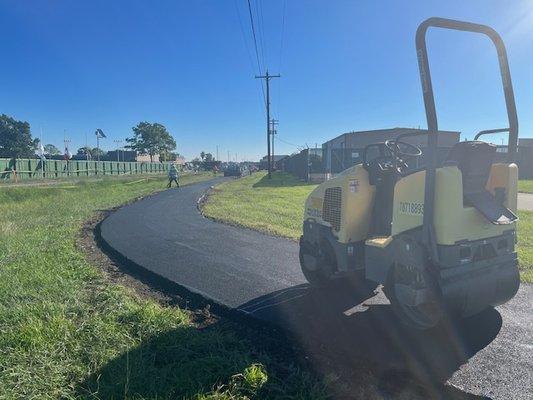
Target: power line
<point>261,31</point>
<point>241,25</point>
<point>282,32</point>
<point>255,45</point>
<point>289,143</point>
<point>281,53</point>
<point>261,35</point>
<point>254,36</point>
<point>243,35</point>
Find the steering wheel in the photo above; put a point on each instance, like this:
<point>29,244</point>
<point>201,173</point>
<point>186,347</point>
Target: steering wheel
<point>399,150</point>
<point>408,150</point>
<point>382,162</point>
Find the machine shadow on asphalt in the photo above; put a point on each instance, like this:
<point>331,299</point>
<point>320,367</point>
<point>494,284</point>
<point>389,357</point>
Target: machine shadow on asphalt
<point>343,329</point>
<point>332,329</point>
<point>357,324</point>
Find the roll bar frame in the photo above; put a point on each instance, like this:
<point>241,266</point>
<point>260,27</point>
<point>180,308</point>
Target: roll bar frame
<point>428,234</point>
<point>489,131</point>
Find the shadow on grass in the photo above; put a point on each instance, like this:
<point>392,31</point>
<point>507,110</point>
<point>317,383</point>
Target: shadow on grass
<point>368,352</point>
<point>280,179</point>
<point>180,363</point>
<point>193,360</point>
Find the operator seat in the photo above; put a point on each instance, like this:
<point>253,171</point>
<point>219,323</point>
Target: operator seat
<point>474,159</point>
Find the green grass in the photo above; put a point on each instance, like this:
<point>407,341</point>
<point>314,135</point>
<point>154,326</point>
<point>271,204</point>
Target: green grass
<point>276,207</point>
<point>525,185</point>
<point>525,245</point>
<point>67,332</point>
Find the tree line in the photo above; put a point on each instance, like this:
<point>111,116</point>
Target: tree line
<point>149,138</point>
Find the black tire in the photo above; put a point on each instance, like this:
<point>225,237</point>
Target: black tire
<point>422,316</point>
<point>321,274</point>
<point>412,271</point>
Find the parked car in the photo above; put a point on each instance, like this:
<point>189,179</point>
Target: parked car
<point>233,170</point>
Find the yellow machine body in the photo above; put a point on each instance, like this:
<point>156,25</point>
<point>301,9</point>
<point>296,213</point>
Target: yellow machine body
<point>356,204</point>
<point>440,240</point>
<point>453,222</point>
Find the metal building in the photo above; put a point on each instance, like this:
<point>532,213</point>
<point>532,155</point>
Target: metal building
<point>346,150</point>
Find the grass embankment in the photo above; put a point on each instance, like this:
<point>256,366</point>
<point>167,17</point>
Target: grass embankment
<point>525,245</point>
<point>276,207</point>
<point>67,332</point>
<point>272,206</point>
<point>525,186</point>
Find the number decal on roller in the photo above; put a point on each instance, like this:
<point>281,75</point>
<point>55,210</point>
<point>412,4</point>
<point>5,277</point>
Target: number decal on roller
<point>411,208</point>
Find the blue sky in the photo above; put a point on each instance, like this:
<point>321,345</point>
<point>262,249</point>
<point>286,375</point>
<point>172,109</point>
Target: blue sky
<point>345,65</point>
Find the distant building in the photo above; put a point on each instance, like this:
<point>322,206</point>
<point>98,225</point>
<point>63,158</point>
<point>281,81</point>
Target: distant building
<point>524,157</point>
<point>263,163</point>
<point>146,158</point>
<point>123,155</point>
<point>525,142</point>
<point>180,160</point>
<point>306,165</point>
<point>347,149</point>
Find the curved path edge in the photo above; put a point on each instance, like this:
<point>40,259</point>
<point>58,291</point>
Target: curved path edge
<point>259,275</point>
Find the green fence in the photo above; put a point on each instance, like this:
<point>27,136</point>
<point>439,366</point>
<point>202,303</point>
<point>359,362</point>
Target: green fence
<point>23,169</point>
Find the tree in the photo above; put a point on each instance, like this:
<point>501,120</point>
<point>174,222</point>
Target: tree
<point>151,138</point>
<point>15,138</point>
<point>209,157</point>
<point>84,151</point>
<point>51,150</point>
<point>169,156</point>
<point>97,153</point>
<point>202,155</point>
<point>196,162</point>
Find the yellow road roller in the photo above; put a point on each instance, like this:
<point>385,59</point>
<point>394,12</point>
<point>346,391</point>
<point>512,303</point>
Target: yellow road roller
<point>440,238</point>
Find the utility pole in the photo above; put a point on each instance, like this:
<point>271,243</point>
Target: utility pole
<point>217,152</point>
<point>43,157</point>
<point>228,156</point>
<point>86,148</point>
<point>99,134</point>
<point>273,132</point>
<point>67,151</point>
<point>267,79</point>
<point>118,141</point>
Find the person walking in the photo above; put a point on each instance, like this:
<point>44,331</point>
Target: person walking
<point>173,176</point>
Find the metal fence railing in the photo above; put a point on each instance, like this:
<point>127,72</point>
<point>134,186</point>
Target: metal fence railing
<point>23,169</point>
<point>306,165</point>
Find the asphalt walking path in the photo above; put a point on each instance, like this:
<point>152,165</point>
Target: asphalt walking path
<point>525,201</point>
<point>490,354</point>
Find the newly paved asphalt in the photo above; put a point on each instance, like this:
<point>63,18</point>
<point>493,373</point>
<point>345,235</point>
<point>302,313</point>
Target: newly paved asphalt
<point>165,233</point>
<point>490,354</point>
<point>525,201</point>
